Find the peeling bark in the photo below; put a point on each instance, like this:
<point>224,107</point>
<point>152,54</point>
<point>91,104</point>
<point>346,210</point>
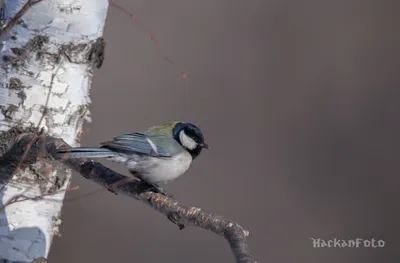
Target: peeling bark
<point>47,61</point>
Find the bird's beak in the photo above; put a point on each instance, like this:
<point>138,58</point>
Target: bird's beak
<point>205,145</point>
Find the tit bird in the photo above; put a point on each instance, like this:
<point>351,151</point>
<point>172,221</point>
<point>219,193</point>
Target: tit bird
<point>158,155</point>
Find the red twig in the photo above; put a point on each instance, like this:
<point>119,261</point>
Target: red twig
<point>18,16</point>
<point>16,199</point>
<point>22,159</point>
<point>29,4</point>
<point>148,32</point>
<point>81,134</point>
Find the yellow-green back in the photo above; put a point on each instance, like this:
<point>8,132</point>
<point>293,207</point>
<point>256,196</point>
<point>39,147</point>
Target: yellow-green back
<point>162,129</point>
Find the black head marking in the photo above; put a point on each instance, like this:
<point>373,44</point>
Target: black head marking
<point>194,133</point>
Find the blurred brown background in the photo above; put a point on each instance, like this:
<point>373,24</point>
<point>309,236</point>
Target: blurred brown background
<point>299,101</point>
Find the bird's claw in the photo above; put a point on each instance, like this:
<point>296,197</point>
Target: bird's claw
<point>144,186</point>
<point>111,189</point>
<point>156,189</point>
<point>174,218</point>
<point>162,191</point>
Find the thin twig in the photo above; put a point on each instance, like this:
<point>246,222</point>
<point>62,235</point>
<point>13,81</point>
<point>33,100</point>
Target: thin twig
<point>14,21</point>
<point>16,198</point>
<point>146,31</point>
<point>53,76</point>
<point>152,37</point>
<point>36,134</point>
<point>3,32</point>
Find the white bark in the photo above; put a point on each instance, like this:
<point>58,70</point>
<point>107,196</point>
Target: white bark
<point>49,51</point>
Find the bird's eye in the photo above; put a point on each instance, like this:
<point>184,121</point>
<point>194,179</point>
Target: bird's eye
<point>195,138</point>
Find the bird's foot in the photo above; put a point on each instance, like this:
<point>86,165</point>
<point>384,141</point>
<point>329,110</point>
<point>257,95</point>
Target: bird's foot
<point>162,191</point>
<point>110,188</point>
<point>174,218</point>
<point>147,186</point>
<point>154,188</point>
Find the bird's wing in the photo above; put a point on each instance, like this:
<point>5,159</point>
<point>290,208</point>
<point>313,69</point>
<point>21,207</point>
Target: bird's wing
<point>143,144</point>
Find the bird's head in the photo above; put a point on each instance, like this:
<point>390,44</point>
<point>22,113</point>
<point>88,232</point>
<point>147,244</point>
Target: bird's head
<point>190,137</point>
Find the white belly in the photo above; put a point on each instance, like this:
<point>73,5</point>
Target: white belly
<point>161,170</point>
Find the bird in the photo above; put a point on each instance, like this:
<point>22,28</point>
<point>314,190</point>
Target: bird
<point>161,154</point>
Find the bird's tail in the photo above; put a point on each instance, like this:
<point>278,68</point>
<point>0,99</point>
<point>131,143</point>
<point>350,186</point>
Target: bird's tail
<point>81,152</point>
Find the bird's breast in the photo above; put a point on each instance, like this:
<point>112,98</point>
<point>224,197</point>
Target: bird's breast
<point>163,170</point>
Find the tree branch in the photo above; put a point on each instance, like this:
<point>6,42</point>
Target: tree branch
<point>178,213</point>
<point>18,16</point>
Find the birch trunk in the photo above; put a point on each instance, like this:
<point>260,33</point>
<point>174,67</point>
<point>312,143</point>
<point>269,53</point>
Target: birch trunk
<point>46,65</point>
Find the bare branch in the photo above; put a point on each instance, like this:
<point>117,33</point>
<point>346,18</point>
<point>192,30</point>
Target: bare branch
<point>178,213</point>
<point>18,16</point>
<point>21,197</point>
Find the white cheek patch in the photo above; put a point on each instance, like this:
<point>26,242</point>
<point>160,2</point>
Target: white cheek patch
<point>186,141</point>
